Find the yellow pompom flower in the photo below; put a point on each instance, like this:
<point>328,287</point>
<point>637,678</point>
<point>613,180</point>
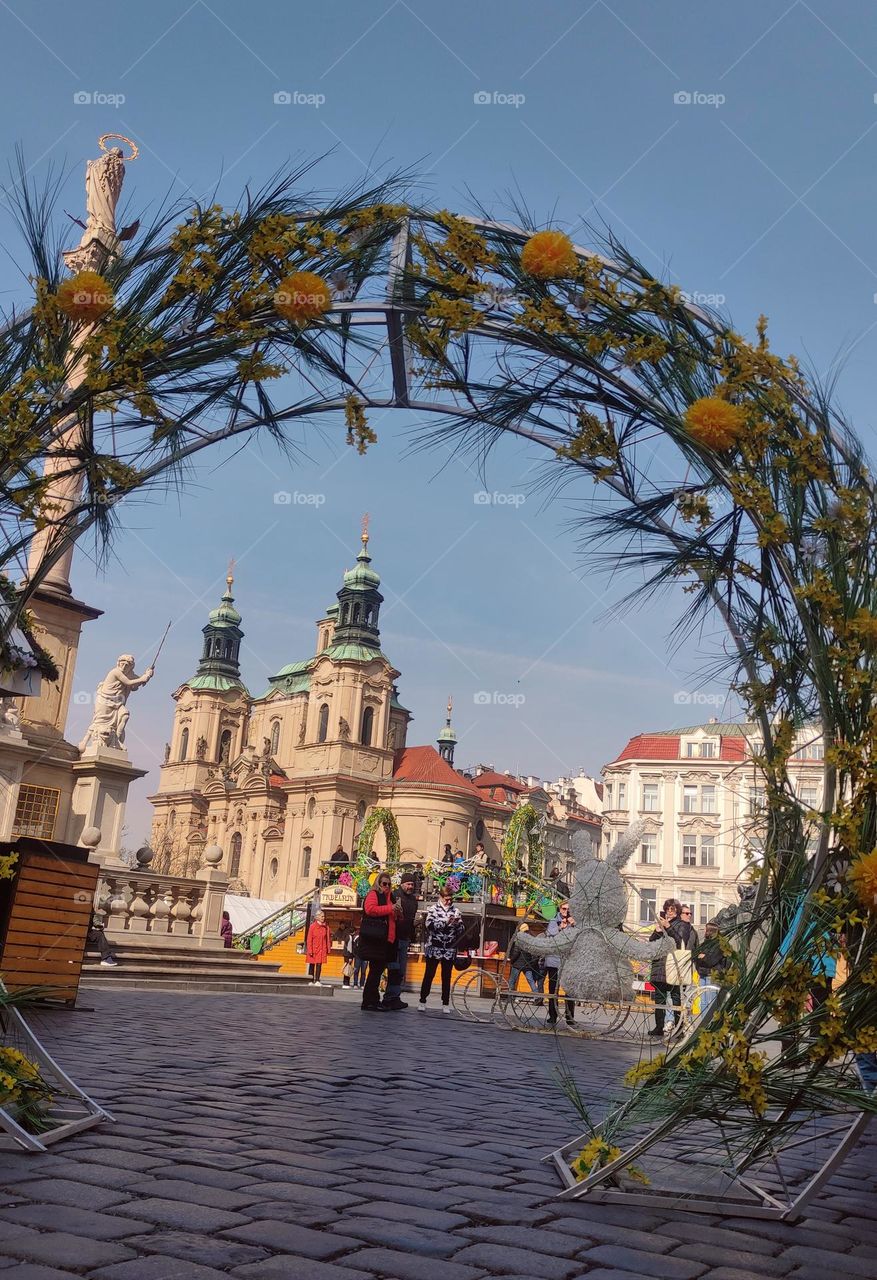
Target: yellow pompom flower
<point>85,297</point>
<point>863,877</point>
<point>595,1152</point>
<point>714,422</point>
<point>302,297</point>
<point>549,254</point>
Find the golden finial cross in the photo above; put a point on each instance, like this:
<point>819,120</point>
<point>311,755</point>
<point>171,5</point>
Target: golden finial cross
<point>229,577</point>
<point>365,520</point>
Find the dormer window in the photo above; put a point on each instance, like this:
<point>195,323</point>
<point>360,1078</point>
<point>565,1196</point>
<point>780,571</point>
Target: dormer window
<point>703,749</point>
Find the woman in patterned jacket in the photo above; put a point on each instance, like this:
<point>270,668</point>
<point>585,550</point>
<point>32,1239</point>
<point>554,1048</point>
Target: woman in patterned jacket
<point>444,928</point>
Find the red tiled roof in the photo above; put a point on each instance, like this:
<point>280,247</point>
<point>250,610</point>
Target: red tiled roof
<point>598,787</point>
<point>493,779</point>
<point>663,746</point>
<point>425,767</point>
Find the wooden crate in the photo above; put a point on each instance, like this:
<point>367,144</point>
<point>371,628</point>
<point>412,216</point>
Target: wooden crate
<point>45,911</point>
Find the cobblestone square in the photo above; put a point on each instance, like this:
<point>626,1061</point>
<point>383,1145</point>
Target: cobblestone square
<point>258,1136</point>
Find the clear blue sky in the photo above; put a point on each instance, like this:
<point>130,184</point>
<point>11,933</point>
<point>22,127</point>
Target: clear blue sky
<point>767,199</point>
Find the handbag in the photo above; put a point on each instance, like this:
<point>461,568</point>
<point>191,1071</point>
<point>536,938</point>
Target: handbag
<point>462,960</point>
<point>374,928</point>
<point>677,966</point>
<point>347,970</point>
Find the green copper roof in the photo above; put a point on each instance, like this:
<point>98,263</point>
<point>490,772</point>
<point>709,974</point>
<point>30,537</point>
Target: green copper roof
<point>362,575</point>
<point>216,683</point>
<point>352,652</point>
<point>295,677</point>
<point>226,615</point>
<point>294,669</point>
<point>447,734</point>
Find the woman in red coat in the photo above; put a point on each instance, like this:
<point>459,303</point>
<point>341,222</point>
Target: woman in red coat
<point>377,938</point>
<point>317,947</point>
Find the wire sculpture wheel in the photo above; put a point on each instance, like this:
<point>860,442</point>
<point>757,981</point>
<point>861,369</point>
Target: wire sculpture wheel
<point>476,993</point>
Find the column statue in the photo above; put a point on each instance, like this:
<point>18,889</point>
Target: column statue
<point>111,713</point>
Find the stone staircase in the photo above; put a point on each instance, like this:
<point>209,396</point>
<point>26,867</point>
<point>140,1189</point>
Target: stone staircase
<point>204,970</point>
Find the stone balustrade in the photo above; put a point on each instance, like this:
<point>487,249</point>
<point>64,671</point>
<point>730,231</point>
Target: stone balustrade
<point>143,906</point>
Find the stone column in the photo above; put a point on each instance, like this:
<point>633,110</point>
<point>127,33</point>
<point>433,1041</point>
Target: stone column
<point>215,884</point>
<point>99,798</point>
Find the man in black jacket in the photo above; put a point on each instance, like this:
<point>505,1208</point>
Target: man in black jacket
<point>407,899</point>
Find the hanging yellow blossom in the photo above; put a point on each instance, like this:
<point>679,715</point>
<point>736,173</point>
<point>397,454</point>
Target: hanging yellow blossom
<point>595,1152</point>
<point>549,254</point>
<point>863,877</point>
<point>713,422</point>
<point>302,297</point>
<point>85,297</point>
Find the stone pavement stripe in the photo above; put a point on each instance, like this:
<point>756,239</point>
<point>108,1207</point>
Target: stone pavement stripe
<point>227,1179</point>
<point>400,1235</point>
<point>290,1238</point>
<point>59,1247</point>
<point>157,1267</point>
<point>174,1189</point>
<point>176,1213</point>
<point>731,1273</point>
<point>497,1258</point>
<point>722,1237</point>
<point>64,1191</point>
<point>302,1193</point>
<point>633,1216</point>
<point>284,1266</point>
<point>120,1158</point>
<point>646,1264</point>
<point>817,1272</point>
<point>32,1271</point>
<point>845,1263</point>
<point>499,1211</point>
<point>412,1216</point>
<point>290,1173</point>
<point>594,1232</point>
<point>79,1222</point>
<point>308,1215</point>
<point>190,1247</point>
<point>758,1263</point>
<point>541,1239</point>
<point>406,1266</point>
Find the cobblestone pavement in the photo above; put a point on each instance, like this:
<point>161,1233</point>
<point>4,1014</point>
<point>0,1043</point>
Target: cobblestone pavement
<point>274,1137</point>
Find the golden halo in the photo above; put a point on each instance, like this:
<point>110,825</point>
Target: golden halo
<point>120,137</point>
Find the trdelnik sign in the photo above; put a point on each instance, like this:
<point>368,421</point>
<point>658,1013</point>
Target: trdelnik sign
<point>338,895</point>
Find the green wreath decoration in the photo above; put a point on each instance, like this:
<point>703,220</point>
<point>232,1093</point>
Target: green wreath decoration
<point>380,818</point>
<point>523,826</point>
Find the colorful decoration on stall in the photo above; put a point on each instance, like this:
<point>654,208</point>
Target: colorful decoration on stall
<point>524,826</point>
<point>380,818</point>
<point>461,878</point>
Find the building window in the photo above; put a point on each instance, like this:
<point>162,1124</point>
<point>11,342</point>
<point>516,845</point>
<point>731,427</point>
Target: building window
<point>607,795</point>
<point>36,812</point>
<point>809,797</point>
<point>811,751</point>
<point>225,746</point>
<point>689,799</point>
<point>306,861</point>
<point>172,818</point>
<point>650,797</point>
<point>184,744</point>
<point>479,830</point>
<point>648,852</point>
<point>708,800</point>
<point>622,795</point>
<point>273,868</point>
<point>312,808</point>
<point>368,717</point>
<point>707,908</point>
<point>707,851</point>
<point>708,749</point>
<point>323,726</point>
<point>689,851</point>
<point>275,737</point>
<point>756,801</point>
<point>234,866</point>
<point>647,905</point>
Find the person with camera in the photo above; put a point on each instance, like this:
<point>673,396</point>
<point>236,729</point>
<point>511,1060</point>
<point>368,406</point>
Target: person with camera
<point>377,939</point>
<point>444,929</point>
<point>668,972</point>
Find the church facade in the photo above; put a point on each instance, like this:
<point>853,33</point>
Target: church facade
<point>283,780</point>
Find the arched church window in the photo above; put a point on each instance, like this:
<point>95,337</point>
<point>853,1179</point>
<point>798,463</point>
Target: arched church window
<point>306,861</point>
<point>275,737</point>
<point>184,744</point>
<point>225,746</point>
<point>323,729</point>
<point>172,818</point>
<point>234,868</point>
<point>274,868</point>
<point>479,830</point>
<point>368,717</point>
<point>360,811</point>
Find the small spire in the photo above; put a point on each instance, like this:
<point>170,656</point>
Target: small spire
<point>365,521</point>
<point>450,708</point>
<point>229,578</point>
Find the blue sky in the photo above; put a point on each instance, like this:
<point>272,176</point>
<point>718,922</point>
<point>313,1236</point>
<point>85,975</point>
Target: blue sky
<point>761,192</point>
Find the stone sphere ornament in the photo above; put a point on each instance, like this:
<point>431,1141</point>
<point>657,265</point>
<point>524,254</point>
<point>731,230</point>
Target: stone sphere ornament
<point>91,837</point>
<point>213,855</point>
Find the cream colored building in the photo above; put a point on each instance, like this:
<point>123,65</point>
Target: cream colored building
<point>283,780</point>
<point>702,796</point>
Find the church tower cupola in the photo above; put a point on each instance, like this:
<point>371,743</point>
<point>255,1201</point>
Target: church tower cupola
<point>219,667</point>
<point>359,603</point>
<point>447,739</point>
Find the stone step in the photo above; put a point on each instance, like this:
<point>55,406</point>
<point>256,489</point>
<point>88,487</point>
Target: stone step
<point>184,962</point>
<point>112,980</point>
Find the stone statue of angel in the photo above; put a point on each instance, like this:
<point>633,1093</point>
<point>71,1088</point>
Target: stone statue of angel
<point>594,953</point>
<point>111,713</point>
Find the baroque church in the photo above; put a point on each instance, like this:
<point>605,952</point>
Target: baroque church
<point>283,780</point>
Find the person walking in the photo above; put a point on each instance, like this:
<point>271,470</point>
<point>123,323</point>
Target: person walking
<point>521,963</point>
<point>377,938</point>
<point>444,928</point>
<point>317,948</point>
<point>674,922</point>
<point>360,964</point>
<point>407,900</point>
<point>563,920</point>
<point>709,960</point>
<point>226,930</point>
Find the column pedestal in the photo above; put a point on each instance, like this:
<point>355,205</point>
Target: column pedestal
<point>100,793</point>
